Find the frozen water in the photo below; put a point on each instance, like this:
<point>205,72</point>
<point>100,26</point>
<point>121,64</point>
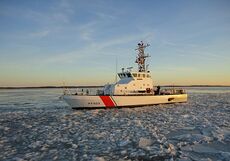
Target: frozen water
<point>36,125</point>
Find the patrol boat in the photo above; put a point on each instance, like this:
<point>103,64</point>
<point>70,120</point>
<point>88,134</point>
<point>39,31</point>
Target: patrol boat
<point>135,88</point>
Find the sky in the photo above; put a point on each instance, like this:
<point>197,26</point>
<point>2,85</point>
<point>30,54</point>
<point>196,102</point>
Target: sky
<point>77,42</point>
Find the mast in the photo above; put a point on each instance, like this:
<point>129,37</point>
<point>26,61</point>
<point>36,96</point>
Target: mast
<point>141,57</point>
<point>116,71</point>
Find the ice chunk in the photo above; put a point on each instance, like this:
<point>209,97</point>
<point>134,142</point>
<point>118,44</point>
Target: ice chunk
<point>144,142</point>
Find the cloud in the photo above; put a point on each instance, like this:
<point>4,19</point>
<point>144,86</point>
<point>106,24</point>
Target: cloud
<point>40,34</point>
<point>57,13</point>
<point>181,69</point>
<point>100,20</point>
<point>86,35</point>
<point>123,40</point>
<point>96,48</point>
<point>193,50</point>
<point>201,54</point>
<point>86,31</point>
<point>178,69</point>
<point>105,16</point>
<point>47,18</point>
<point>177,44</point>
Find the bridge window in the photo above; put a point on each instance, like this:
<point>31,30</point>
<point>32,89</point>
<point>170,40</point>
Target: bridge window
<point>121,75</point>
<point>139,75</point>
<point>134,75</point>
<point>143,75</point>
<point>129,75</point>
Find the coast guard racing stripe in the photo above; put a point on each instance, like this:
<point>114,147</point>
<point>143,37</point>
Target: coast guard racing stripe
<point>108,102</point>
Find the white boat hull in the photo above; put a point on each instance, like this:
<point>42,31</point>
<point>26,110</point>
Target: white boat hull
<point>86,101</point>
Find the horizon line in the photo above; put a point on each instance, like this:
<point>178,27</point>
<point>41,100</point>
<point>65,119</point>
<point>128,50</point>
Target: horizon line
<point>98,86</point>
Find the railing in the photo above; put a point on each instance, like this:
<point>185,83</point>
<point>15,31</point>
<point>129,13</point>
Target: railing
<point>172,91</point>
<point>82,91</point>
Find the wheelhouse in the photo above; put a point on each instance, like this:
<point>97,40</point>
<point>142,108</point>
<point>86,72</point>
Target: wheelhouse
<point>134,75</point>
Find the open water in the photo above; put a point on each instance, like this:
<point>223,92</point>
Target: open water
<point>36,125</point>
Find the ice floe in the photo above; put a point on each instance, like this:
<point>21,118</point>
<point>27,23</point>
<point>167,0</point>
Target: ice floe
<point>42,127</point>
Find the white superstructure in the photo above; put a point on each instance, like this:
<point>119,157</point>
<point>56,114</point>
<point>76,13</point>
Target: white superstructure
<point>133,83</point>
<point>133,89</point>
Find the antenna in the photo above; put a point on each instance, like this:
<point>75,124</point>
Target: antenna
<point>65,89</point>
<point>116,71</point>
<point>147,66</point>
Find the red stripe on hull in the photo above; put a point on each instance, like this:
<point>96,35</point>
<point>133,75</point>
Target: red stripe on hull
<point>107,101</point>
